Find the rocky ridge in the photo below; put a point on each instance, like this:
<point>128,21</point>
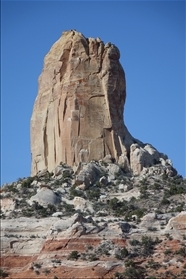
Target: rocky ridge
<point>97,222</point>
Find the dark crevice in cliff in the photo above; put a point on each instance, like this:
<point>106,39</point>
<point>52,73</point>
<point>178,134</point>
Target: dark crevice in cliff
<point>58,118</point>
<point>45,141</point>
<point>54,147</point>
<point>65,155</point>
<point>79,124</point>
<point>65,108</point>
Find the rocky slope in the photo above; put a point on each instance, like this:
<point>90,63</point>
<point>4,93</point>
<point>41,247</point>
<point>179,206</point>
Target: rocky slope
<point>97,222</point>
<point>78,112</point>
<point>99,204</point>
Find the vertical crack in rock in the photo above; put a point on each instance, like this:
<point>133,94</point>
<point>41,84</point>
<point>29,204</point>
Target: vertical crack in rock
<point>45,141</point>
<point>54,147</point>
<point>58,118</point>
<point>65,108</point>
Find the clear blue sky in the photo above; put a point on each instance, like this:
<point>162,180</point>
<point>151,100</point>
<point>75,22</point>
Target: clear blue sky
<point>151,39</point>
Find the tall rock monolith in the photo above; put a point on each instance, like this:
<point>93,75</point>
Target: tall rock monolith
<point>78,112</point>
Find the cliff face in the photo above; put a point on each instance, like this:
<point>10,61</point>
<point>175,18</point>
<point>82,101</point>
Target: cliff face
<point>78,113</point>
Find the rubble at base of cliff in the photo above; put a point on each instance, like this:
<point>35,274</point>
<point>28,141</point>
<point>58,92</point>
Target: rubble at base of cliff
<point>94,221</point>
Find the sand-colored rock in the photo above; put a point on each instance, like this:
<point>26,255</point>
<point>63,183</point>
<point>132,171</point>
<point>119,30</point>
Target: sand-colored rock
<point>177,223</point>
<point>78,113</point>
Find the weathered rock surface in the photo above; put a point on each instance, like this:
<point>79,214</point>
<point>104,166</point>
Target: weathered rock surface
<point>44,197</point>
<point>46,220</point>
<point>78,113</point>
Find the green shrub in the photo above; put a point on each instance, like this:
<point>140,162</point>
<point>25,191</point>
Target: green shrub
<point>93,257</point>
<point>165,201</point>
<point>93,193</point>
<point>37,265</point>
<point>3,274</point>
<point>134,242</point>
<point>69,208</point>
<point>74,255</point>
<point>122,254</point>
<point>27,182</point>
<point>174,190</point>
<point>76,193</point>
<point>181,252</point>
<point>152,229</point>
<point>167,252</point>
<point>153,264</point>
<point>46,271</point>
<point>180,207</point>
<point>134,272</point>
<point>148,244</point>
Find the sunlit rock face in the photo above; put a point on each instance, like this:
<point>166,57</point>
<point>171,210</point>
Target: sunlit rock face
<point>78,113</point>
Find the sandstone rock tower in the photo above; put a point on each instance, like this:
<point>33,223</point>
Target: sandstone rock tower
<point>78,112</point>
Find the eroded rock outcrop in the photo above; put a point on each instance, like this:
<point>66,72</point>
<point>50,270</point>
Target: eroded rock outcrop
<point>78,113</point>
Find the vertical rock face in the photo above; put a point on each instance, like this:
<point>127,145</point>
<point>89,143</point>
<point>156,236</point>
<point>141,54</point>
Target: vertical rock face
<point>78,113</point>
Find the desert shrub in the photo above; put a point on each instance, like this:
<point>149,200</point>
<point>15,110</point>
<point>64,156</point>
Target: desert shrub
<point>69,208</point>
<point>90,247</point>
<point>180,207</point>
<point>27,212</point>
<point>143,192</point>
<point>148,245</point>
<point>93,193</point>
<point>123,253</point>
<point>156,186</point>
<point>167,252</point>
<point>74,255</point>
<point>165,201</point>
<point>93,257</point>
<point>76,193</point>
<point>174,190</point>
<point>169,236</point>
<point>132,272</point>
<point>56,261</point>
<point>134,242</point>
<point>27,182</point>
<point>33,236</point>
<point>46,271</point>
<point>3,274</point>
<point>12,188</point>
<point>181,252</point>
<point>37,265</point>
<point>152,229</point>
<point>153,264</point>
<point>120,208</point>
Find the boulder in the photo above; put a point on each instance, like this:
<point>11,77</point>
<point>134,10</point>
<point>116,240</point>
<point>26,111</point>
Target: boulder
<point>103,181</point>
<point>44,197</point>
<point>82,204</point>
<point>89,174</point>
